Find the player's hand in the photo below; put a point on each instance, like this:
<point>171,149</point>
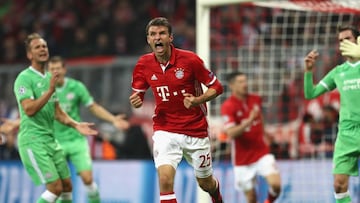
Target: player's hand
<point>120,122</point>
<point>254,113</point>
<point>135,100</point>
<point>53,81</point>
<point>189,100</point>
<point>310,60</point>
<point>350,49</point>
<point>85,128</point>
<point>8,126</point>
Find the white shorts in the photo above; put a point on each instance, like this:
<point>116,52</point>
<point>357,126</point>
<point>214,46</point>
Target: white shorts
<point>245,175</point>
<point>169,149</point>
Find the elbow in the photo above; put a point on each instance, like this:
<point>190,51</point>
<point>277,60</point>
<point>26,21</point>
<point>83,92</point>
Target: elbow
<point>217,86</point>
<point>29,112</point>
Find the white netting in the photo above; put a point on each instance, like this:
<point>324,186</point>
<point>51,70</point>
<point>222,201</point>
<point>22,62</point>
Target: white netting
<point>269,44</point>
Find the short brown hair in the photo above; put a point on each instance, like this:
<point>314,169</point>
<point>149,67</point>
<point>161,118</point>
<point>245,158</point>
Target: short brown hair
<point>353,30</point>
<point>231,76</point>
<point>30,38</point>
<point>56,59</point>
<point>159,21</point>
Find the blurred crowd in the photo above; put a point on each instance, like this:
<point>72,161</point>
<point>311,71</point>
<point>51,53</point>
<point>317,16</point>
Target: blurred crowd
<point>90,27</point>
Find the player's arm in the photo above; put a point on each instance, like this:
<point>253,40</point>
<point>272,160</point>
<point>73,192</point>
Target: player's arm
<point>83,127</point>
<point>100,112</point>
<point>212,92</point>
<point>310,90</point>
<point>239,129</point>
<point>32,106</point>
<point>350,49</point>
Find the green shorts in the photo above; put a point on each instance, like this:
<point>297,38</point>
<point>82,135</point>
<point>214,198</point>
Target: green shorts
<point>347,152</point>
<point>44,162</point>
<point>78,153</point>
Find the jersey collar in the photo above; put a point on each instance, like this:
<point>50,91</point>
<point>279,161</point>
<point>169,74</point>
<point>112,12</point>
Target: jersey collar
<point>173,55</point>
<point>37,72</point>
<point>353,64</point>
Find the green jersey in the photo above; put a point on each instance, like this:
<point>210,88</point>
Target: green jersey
<point>72,95</point>
<point>346,78</point>
<point>31,84</point>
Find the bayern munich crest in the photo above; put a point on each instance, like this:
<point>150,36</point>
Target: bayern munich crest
<point>179,73</point>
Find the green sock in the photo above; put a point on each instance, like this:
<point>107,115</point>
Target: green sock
<point>63,201</point>
<point>93,193</point>
<point>94,197</point>
<point>65,197</point>
<point>41,200</point>
<point>344,200</point>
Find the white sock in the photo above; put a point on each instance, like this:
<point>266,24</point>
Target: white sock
<point>92,188</point>
<point>66,196</point>
<point>49,196</point>
<point>342,195</point>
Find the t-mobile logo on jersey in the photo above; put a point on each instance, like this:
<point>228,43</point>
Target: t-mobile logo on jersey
<point>164,93</point>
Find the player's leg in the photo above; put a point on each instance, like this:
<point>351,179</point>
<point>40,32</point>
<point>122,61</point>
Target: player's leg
<point>341,184</point>
<point>212,186</point>
<point>66,195</point>
<point>166,174</point>
<point>245,181</point>
<point>63,170</point>
<point>38,162</point>
<point>266,167</point>
<point>91,187</point>
<point>79,155</point>
<point>167,156</point>
<point>345,163</point>
<point>198,154</point>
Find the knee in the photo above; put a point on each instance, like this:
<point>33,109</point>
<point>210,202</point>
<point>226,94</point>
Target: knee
<point>341,183</point>
<point>340,186</point>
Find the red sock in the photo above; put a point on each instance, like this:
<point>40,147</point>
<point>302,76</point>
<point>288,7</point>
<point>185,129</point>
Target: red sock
<point>168,197</point>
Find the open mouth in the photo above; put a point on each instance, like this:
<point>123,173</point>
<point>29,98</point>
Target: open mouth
<point>43,55</point>
<point>159,47</point>
<point>158,44</point>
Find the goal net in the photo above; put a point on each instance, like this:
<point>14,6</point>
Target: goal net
<point>268,41</point>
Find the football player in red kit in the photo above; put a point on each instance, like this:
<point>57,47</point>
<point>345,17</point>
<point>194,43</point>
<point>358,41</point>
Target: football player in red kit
<point>180,125</point>
<point>251,156</point>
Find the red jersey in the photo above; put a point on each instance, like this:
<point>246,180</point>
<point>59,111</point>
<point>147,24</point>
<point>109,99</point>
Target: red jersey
<point>250,146</point>
<point>184,73</point>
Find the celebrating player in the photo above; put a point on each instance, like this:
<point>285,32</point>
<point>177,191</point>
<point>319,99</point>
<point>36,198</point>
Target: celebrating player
<point>244,125</point>
<point>345,77</point>
<point>37,101</point>
<point>180,126</point>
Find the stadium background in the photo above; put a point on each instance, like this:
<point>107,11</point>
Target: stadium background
<point>101,41</point>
